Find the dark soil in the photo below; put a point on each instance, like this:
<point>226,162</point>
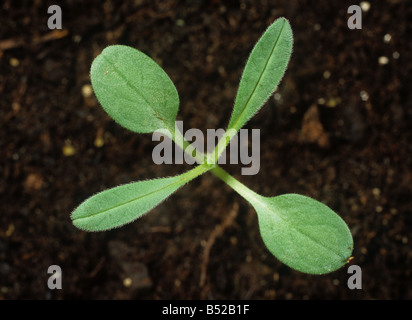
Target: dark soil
<point>338,129</point>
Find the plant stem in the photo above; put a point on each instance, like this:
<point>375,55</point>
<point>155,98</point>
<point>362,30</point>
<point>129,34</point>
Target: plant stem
<point>223,143</point>
<point>239,187</point>
<point>208,162</point>
<point>200,157</point>
<point>197,171</point>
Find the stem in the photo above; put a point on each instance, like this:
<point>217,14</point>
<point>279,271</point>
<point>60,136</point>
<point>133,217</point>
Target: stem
<point>223,143</point>
<point>209,162</point>
<point>200,157</point>
<point>204,162</point>
<point>239,187</point>
<point>197,171</point>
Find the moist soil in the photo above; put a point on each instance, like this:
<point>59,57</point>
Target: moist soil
<point>338,129</point>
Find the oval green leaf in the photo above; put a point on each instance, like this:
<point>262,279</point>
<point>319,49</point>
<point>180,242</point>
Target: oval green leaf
<point>303,233</point>
<point>118,206</point>
<point>134,90</point>
<point>263,71</point>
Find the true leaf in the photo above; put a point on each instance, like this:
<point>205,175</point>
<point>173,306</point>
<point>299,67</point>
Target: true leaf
<point>263,71</point>
<point>303,233</point>
<point>134,90</point>
<point>120,205</point>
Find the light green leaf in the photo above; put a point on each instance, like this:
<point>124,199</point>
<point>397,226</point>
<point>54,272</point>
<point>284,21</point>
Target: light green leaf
<point>263,71</point>
<point>303,233</point>
<point>134,90</point>
<point>120,205</point>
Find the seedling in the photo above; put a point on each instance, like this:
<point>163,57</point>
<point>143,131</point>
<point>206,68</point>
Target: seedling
<point>301,232</point>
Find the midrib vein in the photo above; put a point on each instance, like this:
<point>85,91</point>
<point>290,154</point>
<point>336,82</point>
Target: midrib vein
<point>131,86</point>
<point>260,76</point>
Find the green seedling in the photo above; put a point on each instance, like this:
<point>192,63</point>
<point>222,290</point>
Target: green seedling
<point>303,233</point>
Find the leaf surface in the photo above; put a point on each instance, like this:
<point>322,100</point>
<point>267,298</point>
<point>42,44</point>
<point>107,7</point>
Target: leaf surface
<point>118,206</point>
<point>303,233</point>
<point>134,90</point>
<point>263,71</point>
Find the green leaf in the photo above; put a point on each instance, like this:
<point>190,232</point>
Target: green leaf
<point>263,71</point>
<point>134,90</point>
<point>303,233</point>
<point>120,205</point>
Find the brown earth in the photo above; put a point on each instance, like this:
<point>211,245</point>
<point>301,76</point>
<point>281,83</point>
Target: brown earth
<point>338,129</point>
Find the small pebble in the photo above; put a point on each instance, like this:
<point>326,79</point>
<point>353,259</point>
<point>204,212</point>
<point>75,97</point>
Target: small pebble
<point>364,95</point>
<point>87,90</point>
<point>387,38</point>
<point>68,150</point>
<point>396,55</point>
<point>180,23</point>
<point>365,6</point>
<point>99,142</point>
<point>127,282</point>
<point>376,192</point>
<point>15,106</point>
<point>383,60</point>
<point>277,96</point>
<point>77,38</point>
<point>14,62</point>
<point>9,230</point>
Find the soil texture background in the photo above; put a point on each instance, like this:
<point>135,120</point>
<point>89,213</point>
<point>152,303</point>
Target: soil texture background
<point>338,129</point>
